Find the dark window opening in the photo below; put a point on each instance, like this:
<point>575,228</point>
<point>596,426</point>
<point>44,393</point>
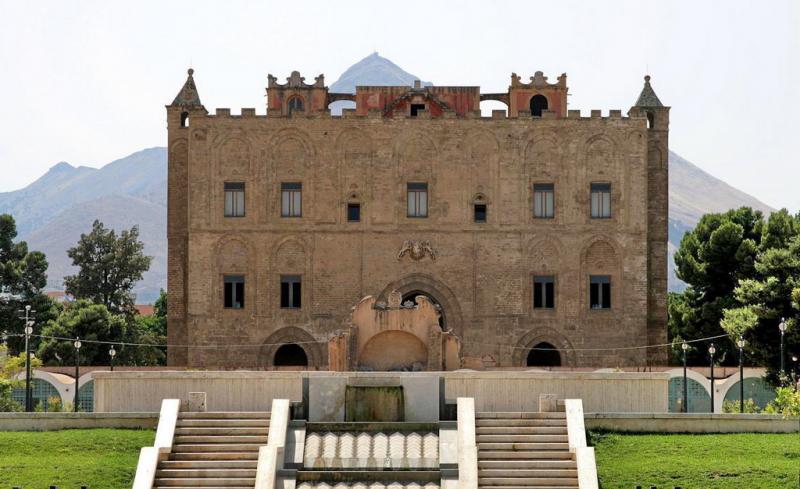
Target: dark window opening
<point>292,199</point>
<point>600,200</point>
<point>543,200</point>
<point>353,212</point>
<point>480,212</point>
<point>544,355</point>
<point>234,199</point>
<point>415,108</point>
<point>296,105</point>
<point>650,120</point>
<point>290,292</point>
<point>417,200</point>
<point>290,355</point>
<point>544,292</point>
<point>538,105</point>
<point>184,119</point>
<point>234,291</point>
<point>599,292</point>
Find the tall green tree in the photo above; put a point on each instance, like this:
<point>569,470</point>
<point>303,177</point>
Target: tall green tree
<point>742,272</point>
<point>23,276</point>
<point>109,267</point>
<point>712,258</point>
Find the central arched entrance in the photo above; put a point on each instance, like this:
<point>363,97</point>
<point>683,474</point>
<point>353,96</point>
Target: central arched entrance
<point>437,292</point>
<point>411,296</point>
<point>394,351</point>
<point>543,354</point>
<point>290,355</point>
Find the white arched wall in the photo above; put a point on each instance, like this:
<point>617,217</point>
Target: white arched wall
<point>720,388</point>
<point>64,384</point>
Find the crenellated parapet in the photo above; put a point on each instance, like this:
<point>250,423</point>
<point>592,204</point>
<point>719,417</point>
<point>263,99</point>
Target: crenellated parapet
<point>296,97</point>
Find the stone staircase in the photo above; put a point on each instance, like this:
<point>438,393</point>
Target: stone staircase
<point>214,450</point>
<point>524,450</point>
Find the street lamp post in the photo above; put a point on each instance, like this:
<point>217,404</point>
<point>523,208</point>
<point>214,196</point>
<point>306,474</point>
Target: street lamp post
<point>28,332</point>
<point>782,328</point>
<point>112,353</point>
<point>711,351</point>
<point>740,343</point>
<point>795,372</point>
<point>685,407</point>
<point>77,345</point>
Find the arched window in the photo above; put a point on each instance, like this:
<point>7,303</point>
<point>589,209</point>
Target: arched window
<point>296,105</point>
<point>544,355</point>
<point>651,120</point>
<point>412,296</point>
<point>290,355</point>
<point>538,105</point>
<point>184,119</point>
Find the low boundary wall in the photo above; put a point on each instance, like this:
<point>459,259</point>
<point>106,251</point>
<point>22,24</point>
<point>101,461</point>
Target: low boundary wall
<point>65,421</point>
<point>691,423</point>
<point>616,392</point>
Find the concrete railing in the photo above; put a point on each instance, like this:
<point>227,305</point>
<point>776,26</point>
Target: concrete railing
<point>467,448</point>
<point>584,455</point>
<point>165,434</point>
<point>271,456</point>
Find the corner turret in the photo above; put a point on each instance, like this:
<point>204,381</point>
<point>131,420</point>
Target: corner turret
<point>186,102</point>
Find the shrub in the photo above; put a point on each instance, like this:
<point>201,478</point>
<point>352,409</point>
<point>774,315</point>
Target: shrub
<point>750,407</point>
<point>787,402</point>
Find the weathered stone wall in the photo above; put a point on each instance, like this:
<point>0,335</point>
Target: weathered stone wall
<point>482,273</point>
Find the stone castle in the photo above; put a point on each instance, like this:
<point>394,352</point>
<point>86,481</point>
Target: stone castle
<point>412,233</point>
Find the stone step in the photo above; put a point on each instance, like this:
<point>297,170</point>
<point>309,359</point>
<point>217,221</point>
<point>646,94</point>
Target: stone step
<point>223,423</point>
<point>540,454</point>
<point>224,415</point>
<point>199,439</point>
<point>223,431</point>
<point>527,481</point>
<point>526,464</point>
<point>520,438</point>
<point>209,464</point>
<point>517,446</point>
<point>521,430</point>
<point>216,447</point>
<point>531,473</point>
<point>209,473</point>
<point>207,487</point>
<point>196,482</point>
<point>521,422</point>
<point>367,485</point>
<point>214,456</point>
<point>520,415</point>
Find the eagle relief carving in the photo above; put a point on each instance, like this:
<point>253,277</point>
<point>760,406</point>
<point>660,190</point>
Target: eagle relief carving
<point>417,250</point>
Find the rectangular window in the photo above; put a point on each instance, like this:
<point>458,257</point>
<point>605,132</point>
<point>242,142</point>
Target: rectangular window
<point>544,293</point>
<point>601,200</point>
<point>600,292</point>
<point>234,199</point>
<point>291,199</point>
<point>290,291</point>
<point>543,200</point>
<point>417,200</point>
<point>415,108</point>
<point>480,212</point>
<point>234,291</point>
<point>353,212</point>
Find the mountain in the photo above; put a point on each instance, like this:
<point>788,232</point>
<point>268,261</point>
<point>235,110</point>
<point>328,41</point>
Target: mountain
<point>53,211</point>
<point>374,70</point>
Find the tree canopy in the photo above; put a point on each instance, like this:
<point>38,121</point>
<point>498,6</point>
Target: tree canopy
<point>109,267</point>
<point>744,276</point>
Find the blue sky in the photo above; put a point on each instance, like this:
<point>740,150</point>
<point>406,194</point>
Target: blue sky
<point>86,82</point>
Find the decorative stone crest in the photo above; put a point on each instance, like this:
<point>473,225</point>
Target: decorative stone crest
<point>417,250</point>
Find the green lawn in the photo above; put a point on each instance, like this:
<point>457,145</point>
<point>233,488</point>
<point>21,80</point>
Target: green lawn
<point>736,461</point>
<point>100,459</point>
